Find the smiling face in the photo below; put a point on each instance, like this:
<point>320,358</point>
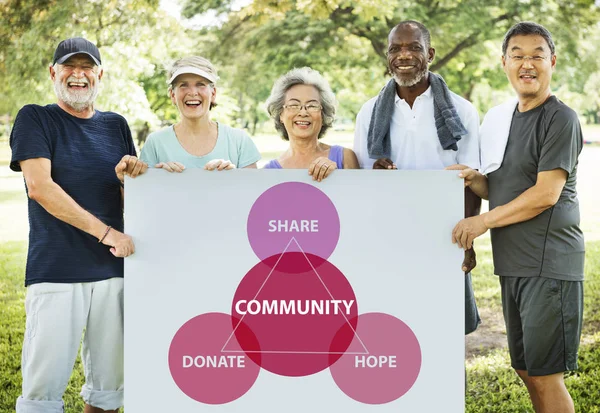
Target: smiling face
<point>529,64</point>
<point>408,55</point>
<point>302,124</point>
<point>192,94</point>
<point>76,82</point>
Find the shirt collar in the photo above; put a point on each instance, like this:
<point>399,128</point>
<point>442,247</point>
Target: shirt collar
<point>427,94</point>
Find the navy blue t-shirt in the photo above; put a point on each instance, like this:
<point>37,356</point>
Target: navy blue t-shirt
<point>83,153</point>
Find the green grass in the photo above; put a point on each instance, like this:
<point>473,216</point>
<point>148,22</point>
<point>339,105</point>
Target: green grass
<point>492,384</point>
<point>12,325</point>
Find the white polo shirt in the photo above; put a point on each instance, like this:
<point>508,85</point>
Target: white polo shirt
<point>414,140</point>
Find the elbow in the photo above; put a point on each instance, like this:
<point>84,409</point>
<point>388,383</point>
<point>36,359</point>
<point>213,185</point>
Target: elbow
<point>548,199</point>
<point>34,193</point>
<point>36,190</point>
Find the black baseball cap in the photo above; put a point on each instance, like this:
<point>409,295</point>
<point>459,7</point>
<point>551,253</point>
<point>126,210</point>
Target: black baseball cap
<point>73,46</point>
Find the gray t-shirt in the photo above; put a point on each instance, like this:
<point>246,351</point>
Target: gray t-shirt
<point>550,244</point>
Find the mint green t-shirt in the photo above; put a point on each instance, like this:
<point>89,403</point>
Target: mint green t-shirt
<point>232,144</point>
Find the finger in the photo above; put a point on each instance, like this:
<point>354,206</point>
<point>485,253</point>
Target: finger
<point>230,167</point>
<point>312,166</point>
<point>180,165</point>
<point>223,165</point>
<point>144,167</point>
<point>468,264</point>
<point>117,252</point>
<point>385,163</point>
<point>456,167</point>
<point>329,170</point>
<point>131,164</point>
<point>470,239</point>
<point>465,173</point>
<point>137,168</point>
<point>121,166</point>
<point>454,234</point>
<point>465,264</point>
<point>463,240</point>
<point>315,173</point>
<point>119,170</point>
<point>323,170</point>
<point>175,167</point>
<point>210,165</point>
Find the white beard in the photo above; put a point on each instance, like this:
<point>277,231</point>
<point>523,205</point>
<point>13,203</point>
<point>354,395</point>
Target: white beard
<point>78,100</point>
<point>410,82</point>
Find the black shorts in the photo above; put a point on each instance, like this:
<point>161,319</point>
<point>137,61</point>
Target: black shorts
<point>543,319</point>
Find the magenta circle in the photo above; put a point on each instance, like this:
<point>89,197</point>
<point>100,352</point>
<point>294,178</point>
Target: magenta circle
<point>295,344</point>
<point>371,379</point>
<point>205,336</point>
<point>293,217</point>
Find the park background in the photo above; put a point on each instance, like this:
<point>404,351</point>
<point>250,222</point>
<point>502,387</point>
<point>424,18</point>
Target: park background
<point>252,43</point>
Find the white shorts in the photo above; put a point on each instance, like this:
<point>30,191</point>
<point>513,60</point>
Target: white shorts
<point>57,315</point>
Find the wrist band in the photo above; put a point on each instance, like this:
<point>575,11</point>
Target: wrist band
<point>105,234</point>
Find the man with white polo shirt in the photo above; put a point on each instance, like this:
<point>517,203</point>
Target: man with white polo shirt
<point>417,123</point>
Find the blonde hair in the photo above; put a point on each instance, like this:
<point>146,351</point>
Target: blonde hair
<point>193,61</point>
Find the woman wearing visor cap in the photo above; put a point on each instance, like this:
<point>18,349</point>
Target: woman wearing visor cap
<point>196,141</point>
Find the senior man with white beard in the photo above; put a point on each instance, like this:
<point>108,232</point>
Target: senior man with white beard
<point>74,273</point>
<point>416,122</point>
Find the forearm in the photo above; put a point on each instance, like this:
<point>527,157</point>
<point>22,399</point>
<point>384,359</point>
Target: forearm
<point>480,187</point>
<point>526,206</point>
<point>60,205</point>
<point>472,203</point>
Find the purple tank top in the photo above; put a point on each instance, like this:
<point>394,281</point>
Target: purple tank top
<point>336,154</point>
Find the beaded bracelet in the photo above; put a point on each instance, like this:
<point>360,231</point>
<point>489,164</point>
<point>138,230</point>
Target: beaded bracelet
<point>105,234</point>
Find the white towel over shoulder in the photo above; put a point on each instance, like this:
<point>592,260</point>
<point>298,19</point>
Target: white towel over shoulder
<point>494,135</point>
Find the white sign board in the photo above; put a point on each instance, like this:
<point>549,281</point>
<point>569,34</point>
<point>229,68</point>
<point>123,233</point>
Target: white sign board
<point>262,291</point>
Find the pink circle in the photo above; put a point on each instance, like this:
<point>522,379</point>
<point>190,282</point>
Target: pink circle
<point>202,370</point>
<point>293,217</point>
<point>295,341</point>
<point>390,368</point>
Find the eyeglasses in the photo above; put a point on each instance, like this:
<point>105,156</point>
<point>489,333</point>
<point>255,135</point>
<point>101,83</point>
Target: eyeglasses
<point>521,59</point>
<point>311,107</point>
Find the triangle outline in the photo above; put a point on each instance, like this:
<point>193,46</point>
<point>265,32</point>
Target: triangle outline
<point>293,239</point>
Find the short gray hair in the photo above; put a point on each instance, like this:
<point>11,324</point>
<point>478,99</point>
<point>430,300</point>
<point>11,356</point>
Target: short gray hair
<point>302,76</point>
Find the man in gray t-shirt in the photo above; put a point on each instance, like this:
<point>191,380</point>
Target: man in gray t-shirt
<point>537,244</point>
<point>545,138</point>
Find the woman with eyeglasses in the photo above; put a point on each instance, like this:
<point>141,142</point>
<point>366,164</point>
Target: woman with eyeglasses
<point>302,106</point>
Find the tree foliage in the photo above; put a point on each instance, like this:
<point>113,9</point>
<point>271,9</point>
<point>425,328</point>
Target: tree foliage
<point>347,40</point>
<point>135,39</point>
<point>253,45</point>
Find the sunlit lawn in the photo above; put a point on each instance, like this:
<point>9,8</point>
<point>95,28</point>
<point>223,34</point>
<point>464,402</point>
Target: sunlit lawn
<point>492,385</point>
